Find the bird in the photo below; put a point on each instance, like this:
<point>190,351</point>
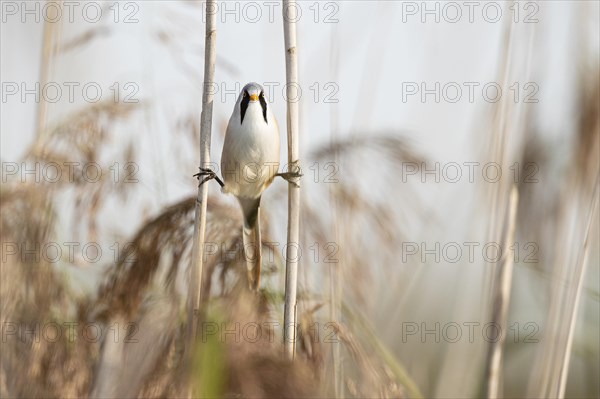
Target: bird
<point>249,164</point>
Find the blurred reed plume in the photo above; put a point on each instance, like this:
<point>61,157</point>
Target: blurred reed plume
<point>143,294</point>
<point>35,292</point>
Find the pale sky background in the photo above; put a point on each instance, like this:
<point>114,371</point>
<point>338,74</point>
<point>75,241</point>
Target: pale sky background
<point>375,53</point>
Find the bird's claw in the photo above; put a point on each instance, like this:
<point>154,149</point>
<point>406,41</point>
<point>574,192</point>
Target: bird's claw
<point>289,176</point>
<point>209,176</point>
<point>204,172</point>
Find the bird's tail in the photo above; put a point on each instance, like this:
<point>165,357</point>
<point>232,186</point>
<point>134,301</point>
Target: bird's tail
<point>252,240</point>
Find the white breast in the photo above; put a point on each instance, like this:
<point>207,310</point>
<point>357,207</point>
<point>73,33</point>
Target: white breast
<point>250,155</point>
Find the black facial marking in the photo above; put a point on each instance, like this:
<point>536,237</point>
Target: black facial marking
<point>244,105</point>
<point>263,104</point>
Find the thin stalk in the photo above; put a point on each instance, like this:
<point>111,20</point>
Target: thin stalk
<point>493,291</point>
<point>335,275</point>
<point>48,52</point>
<point>293,230</point>
<point>195,282</point>
<point>541,382</point>
<point>498,153</point>
<point>51,43</point>
<point>579,276</point>
<point>502,300</point>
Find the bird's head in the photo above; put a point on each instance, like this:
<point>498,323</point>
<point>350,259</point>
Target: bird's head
<point>252,94</point>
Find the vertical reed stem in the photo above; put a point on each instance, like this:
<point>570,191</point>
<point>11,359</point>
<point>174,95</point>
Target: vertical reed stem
<point>49,49</point>
<point>195,283</point>
<point>579,275</point>
<point>293,231</point>
<point>502,300</point>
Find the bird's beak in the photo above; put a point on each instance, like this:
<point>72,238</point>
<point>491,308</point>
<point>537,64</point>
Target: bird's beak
<point>254,97</point>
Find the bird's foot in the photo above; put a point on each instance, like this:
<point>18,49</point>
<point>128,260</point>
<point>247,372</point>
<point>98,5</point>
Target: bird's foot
<point>208,175</point>
<point>289,176</point>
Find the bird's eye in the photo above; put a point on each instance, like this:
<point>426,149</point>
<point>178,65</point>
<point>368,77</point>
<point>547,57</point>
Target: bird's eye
<point>262,94</point>
<point>245,93</point>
